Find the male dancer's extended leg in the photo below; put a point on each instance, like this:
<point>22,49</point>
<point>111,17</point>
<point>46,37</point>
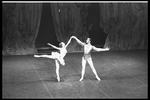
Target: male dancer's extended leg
<point>57,70</point>
<point>83,68</point>
<point>92,67</point>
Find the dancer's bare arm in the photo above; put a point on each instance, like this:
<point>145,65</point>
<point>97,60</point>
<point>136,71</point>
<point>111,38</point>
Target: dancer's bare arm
<point>53,46</point>
<point>68,42</point>
<point>81,43</point>
<point>100,49</point>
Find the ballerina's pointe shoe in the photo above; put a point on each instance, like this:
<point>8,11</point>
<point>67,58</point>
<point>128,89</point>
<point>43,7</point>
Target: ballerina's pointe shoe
<point>36,56</point>
<point>98,78</point>
<point>58,79</point>
<point>81,79</point>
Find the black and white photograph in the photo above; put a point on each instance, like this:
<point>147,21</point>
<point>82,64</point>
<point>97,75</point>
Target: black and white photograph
<point>74,49</point>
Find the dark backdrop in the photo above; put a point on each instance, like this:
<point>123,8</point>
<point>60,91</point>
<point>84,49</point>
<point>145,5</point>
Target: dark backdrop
<point>47,31</point>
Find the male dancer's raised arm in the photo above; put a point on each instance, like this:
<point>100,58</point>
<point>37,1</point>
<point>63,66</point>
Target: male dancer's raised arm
<point>100,49</point>
<point>80,42</point>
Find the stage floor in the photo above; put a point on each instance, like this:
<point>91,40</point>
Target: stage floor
<point>124,74</point>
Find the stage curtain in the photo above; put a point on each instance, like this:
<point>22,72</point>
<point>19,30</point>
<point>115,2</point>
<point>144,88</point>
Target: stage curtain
<point>126,25</point>
<point>21,28</point>
<point>69,19</point>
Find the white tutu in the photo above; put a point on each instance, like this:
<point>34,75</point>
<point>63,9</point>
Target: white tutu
<point>58,57</point>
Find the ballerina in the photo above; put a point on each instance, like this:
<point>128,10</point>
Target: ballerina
<point>58,56</point>
<point>87,56</point>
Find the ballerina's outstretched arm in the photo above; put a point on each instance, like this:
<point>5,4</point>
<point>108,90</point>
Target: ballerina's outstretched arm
<point>81,43</point>
<point>100,49</point>
<point>53,46</point>
<point>68,42</point>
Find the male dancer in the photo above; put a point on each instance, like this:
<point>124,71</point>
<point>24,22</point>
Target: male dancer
<point>58,56</point>
<point>87,56</point>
